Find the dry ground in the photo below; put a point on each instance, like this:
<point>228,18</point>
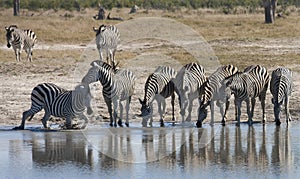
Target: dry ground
<point>66,47</point>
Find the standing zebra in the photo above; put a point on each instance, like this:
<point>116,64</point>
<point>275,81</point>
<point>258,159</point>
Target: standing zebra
<point>20,39</point>
<point>158,86</point>
<point>213,90</point>
<point>188,82</point>
<point>58,102</point>
<point>117,87</point>
<point>107,38</point>
<point>246,86</point>
<point>281,88</point>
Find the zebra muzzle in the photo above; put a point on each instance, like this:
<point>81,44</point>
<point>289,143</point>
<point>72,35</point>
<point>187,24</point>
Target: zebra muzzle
<point>8,45</point>
<point>89,111</point>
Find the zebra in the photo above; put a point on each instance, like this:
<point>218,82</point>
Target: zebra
<point>107,38</point>
<point>213,90</point>
<point>46,96</point>
<point>188,82</point>
<point>246,86</point>
<point>281,88</point>
<point>117,87</point>
<point>20,39</point>
<point>159,85</point>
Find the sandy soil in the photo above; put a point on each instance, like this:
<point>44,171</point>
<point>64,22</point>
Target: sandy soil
<point>19,78</point>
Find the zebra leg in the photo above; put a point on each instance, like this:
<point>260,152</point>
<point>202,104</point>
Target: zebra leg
<point>250,108</point>
<point>109,107</point>
<point>263,107</point>
<point>82,116</point>
<point>45,119</point>
<point>238,111</point>
<point>128,101</point>
<point>68,122</point>
<point>287,110</point>
<point>121,112</point>
<point>17,52</point>
<point>212,114</point>
<point>190,107</point>
<point>160,111</point>
<point>151,116</point>
<point>115,115</point>
<point>173,110</point>
<point>224,117</point>
<point>29,54</point>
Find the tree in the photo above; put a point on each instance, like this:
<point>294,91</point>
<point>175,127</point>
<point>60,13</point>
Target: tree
<point>270,9</point>
<point>16,7</point>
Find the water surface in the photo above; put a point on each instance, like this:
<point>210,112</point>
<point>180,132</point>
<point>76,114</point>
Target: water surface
<point>171,152</point>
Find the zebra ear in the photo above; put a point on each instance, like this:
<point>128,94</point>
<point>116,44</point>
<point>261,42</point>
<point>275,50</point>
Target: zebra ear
<point>95,29</point>
<point>6,28</point>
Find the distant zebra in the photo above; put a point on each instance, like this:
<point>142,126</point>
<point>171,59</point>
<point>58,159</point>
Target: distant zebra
<point>107,38</point>
<point>20,39</point>
<point>188,82</point>
<point>58,102</point>
<point>158,86</point>
<point>246,86</point>
<point>117,87</point>
<point>215,91</point>
<point>281,88</point>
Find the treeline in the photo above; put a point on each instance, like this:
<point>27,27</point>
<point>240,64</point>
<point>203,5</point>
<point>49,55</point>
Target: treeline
<point>155,4</point>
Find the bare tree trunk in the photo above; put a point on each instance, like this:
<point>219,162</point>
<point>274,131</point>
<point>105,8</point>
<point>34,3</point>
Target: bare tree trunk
<point>16,7</point>
<point>270,10</point>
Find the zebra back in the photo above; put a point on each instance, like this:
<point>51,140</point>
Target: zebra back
<point>15,35</point>
<point>190,77</point>
<point>160,82</point>
<point>124,83</point>
<point>250,83</point>
<point>281,84</point>
<point>43,95</point>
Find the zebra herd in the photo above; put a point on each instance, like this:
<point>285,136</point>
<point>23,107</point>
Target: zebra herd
<point>189,83</point>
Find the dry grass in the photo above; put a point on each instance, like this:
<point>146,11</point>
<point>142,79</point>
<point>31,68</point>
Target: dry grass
<point>55,28</point>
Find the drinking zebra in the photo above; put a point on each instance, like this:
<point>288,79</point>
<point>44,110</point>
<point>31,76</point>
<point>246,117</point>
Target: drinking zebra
<point>58,102</point>
<point>246,86</point>
<point>215,91</point>
<point>188,82</point>
<point>117,87</point>
<point>158,86</point>
<point>281,88</point>
<point>20,39</point>
<point>107,38</point>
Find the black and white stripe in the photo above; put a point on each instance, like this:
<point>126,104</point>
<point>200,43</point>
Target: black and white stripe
<point>248,85</point>
<point>43,97</point>
<point>20,39</point>
<point>281,89</point>
<point>188,82</point>
<point>214,91</point>
<point>159,86</point>
<point>107,38</point>
<point>117,87</point>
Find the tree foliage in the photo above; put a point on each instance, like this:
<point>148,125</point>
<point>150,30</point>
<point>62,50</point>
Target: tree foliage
<point>156,4</point>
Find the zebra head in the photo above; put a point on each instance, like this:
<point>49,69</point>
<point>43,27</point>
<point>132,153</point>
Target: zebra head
<point>146,111</point>
<point>99,30</point>
<point>9,34</point>
<point>92,75</point>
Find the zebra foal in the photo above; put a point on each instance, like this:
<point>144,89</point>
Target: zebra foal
<point>58,102</point>
<point>281,88</point>
<point>117,86</point>
<point>20,39</point>
<point>213,91</point>
<point>247,86</point>
<point>159,85</point>
<point>107,38</point>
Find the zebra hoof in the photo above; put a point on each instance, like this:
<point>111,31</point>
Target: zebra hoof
<point>18,128</point>
<point>127,124</point>
<point>120,124</point>
<point>223,124</point>
<point>199,124</point>
<point>111,125</point>
<point>162,124</point>
<point>278,123</point>
<point>237,124</point>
